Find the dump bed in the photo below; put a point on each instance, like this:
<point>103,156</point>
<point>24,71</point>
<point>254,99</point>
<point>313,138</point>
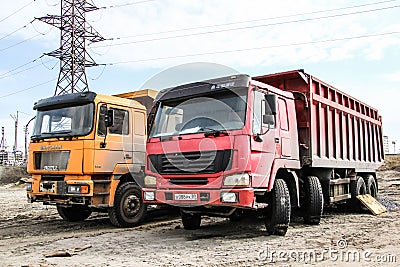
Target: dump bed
<point>144,97</point>
<point>335,129</point>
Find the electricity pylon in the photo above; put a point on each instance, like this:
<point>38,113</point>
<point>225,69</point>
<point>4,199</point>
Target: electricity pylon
<point>75,31</point>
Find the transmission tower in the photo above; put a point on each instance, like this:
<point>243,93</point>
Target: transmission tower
<point>75,31</point>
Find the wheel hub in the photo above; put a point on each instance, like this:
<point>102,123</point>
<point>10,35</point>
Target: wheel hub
<point>131,205</point>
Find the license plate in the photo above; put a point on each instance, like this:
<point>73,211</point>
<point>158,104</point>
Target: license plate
<point>48,187</point>
<point>185,196</point>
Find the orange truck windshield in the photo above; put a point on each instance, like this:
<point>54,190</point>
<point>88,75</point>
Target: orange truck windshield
<point>64,122</point>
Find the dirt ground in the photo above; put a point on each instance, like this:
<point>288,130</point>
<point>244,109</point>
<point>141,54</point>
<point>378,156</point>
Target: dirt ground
<point>28,231</point>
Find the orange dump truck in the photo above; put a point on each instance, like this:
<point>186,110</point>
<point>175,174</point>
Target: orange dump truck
<point>87,153</point>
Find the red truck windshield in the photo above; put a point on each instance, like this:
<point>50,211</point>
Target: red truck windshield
<point>214,111</point>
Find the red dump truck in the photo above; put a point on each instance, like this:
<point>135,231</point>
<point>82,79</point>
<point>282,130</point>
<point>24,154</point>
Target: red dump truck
<point>276,142</point>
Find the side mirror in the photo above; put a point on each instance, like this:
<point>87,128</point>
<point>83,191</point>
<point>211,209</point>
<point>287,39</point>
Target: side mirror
<point>269,119</point>
<point>270,104</point>
<point>109,118</point>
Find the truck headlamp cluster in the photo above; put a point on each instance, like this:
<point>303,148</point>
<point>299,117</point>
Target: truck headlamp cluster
<point>78,189</point>
<point>239,179</point>
<point>150,181</point>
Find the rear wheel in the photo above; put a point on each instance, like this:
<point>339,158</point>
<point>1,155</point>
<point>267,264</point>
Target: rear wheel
<point>129,209</point>
<point>278,210</point>
<point>357,187</point>
<point>313,200</point>
<point>191,221</point>
<point>76,213</point>
<point>372,187</point>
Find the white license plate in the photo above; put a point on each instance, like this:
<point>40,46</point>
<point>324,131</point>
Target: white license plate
<point>185,196</point>
<point>49,187</point>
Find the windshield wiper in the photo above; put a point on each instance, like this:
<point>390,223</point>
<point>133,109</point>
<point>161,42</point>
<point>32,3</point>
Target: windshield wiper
<point>35,137</point>
<point>212,131</point>
<point>58,132</point>
<point>44,135</point>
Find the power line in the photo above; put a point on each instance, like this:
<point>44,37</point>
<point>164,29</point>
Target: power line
<point>251,27</point>
<point>18,10</point>
<point>26,89</point>
<point>256,20</point>
<point>11,33</point>
<point>21,66</point>
<point>256,48</point>
<point>127,4</point>
<point>25,40</point>
<point>12,72</point>
<point>20,42</point>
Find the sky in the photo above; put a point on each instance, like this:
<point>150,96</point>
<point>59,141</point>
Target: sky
<point>352,45</point>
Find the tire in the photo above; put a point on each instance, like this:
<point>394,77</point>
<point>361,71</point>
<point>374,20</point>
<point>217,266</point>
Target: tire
<point>129,209</point>
<point>313,201</point>
<point>191,221</point>
<point>278,211</point>
<point>357,187</point>
<point>371,185</point>
<point>76,213</point>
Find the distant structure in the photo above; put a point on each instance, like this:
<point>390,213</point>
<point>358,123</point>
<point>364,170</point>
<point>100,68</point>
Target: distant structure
<point>75,31</point>
<point>3,153</point>
<point>386,144</point>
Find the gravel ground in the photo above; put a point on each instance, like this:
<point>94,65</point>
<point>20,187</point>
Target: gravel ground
<point>28,231</point>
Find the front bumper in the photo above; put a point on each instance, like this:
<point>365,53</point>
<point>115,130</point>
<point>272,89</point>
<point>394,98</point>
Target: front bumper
<point>203,197</point>
<point>57,192</point>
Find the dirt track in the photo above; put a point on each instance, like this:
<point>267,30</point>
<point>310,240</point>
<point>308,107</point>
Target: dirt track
<point>27,231</point>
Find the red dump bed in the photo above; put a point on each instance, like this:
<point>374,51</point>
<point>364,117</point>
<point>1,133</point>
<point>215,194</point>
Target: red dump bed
<point>335,129</point>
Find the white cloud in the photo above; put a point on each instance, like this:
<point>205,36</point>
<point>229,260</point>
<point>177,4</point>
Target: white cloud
<point>168,15</point>
<point>393,77</point>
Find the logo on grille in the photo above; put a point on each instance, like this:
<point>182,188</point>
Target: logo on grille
<point>50,147</point>
<point>50,168</point>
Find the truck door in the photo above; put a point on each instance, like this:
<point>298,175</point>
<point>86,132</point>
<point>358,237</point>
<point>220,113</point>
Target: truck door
<point>263,144</point>
<point>139,138</point>
<point>116,145</point>
<point>283,126</point>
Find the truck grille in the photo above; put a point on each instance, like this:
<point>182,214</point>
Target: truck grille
<point>195,181</point>
<point>192,162</point>
<point>51,161</point>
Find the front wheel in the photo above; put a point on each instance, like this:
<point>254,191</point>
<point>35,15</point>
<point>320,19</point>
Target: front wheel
<point>129,209</point>
<point>279,209</point>
<point>75,213</point>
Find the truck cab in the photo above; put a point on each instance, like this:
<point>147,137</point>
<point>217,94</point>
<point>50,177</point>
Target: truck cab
<point>87,152</point>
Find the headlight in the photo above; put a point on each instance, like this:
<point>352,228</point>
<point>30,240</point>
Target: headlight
<point>242,179</point>
<point>149,180</point>
<point>78,189</point>
<point>149,196</point>
<point>229,197</point>
<point>28,186</point>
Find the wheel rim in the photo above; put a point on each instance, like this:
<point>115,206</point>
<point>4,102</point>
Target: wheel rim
<point>131,206</point>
